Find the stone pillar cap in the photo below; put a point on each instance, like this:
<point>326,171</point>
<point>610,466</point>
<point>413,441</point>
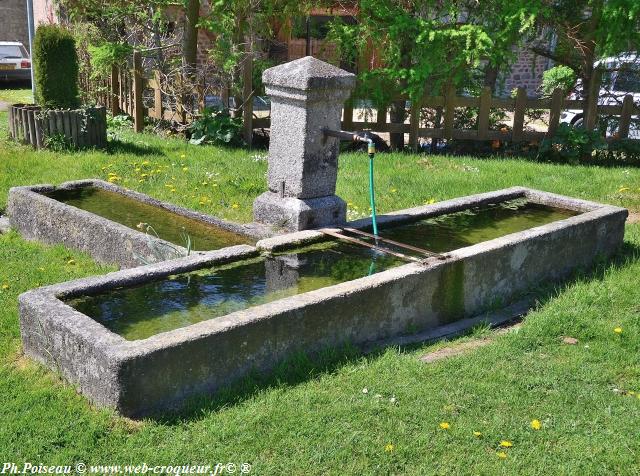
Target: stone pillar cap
<point>308,73</point>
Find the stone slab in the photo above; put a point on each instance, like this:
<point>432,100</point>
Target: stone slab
<point>294,214</point>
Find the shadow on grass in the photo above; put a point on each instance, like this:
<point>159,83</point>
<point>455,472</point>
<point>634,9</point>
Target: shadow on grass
<point>302,367</point>
<point>116,146</point>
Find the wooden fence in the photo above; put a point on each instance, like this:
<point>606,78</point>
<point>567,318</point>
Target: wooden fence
<point>127,86</point>
<point>80,128</point>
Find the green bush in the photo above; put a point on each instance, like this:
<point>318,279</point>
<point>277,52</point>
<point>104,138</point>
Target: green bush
<point>216,127</point>
<point>561,77</point>
<point>572,144</point>
<point>56,67</point>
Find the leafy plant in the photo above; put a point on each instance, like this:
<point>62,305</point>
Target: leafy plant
<point>572,144</point>
<point>216,127</point>
<point>108,54</point>
<point>58,142</point>
<point>561,77</point>
<point>56,67</point>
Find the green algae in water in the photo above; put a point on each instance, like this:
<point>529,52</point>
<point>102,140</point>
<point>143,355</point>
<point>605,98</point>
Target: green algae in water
<point>168,225</point>
<point>159,306</point>
<point>475,225</point>
<point>142,311</point>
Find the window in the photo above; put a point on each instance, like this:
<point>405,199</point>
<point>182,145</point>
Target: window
<point>12,52</point>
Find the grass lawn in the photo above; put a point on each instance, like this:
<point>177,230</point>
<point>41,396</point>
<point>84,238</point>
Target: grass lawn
<point>16,94</point>
<point>311,416</point>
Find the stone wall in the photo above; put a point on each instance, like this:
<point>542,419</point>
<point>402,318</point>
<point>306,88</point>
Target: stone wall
<point>13,21</point>
<point>526,72</point>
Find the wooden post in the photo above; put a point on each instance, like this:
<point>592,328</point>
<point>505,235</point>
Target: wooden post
<point>381,118</point>
<point>625,116</point>
<point>157,96</point>
<point>347,115</point>
<point>518,114</point>
<point>449,110</point>
<point>11,122</point>
<point>414,125</point>
<point>74,127</point>
<point>590,112</point>
<point>115,91</point>
<point>138,107</point>
<point>483,113</point>
<point>25,125</point>
<point>247,94</point>
<point>82,131</point>
<point>39,143</point>
<point>555,110</point>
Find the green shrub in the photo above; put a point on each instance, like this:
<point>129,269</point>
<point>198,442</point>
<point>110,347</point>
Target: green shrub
<point>572,144</point>
<point>561,77</point>
<point>216,127</point>
<point>56,67</point>
<point>108,54</point>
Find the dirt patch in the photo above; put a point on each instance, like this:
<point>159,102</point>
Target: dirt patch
<point>634,217</point>
<point>464,347</point>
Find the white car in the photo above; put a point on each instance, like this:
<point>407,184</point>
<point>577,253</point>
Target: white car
<point>621,77</point>
<point>15,63</point>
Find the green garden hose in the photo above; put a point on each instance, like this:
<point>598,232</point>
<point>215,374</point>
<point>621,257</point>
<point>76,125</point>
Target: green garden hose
<point>371,148</point>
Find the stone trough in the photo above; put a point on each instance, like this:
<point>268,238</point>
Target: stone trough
<point>37,214</point>
<point>146,339</point>
<point>139,377</point>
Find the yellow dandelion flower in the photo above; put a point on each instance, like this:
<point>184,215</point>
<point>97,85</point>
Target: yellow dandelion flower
<point>173,190</point>
<point>235,206</point>
<point>138,169</point>
<point>71,261</point>
<point>388,448</point>
<point>618,330</point>
<point>444,425</point>
<point>501,455</point>
<point>146,162</point>
<point>393,190</point>
<point>430,201</point>
<point>184,169</point>
<point>477,434</point>
<point>506,444</point>
<point>183,156</point>
<point>5,286</point>
<point>40,269</point>
<point>535,424</point>
<point>623,189</point>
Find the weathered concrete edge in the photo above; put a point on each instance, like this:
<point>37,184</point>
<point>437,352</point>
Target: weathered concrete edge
<point>81,349</point>
<point>307,237</point>
<point>253,230</point>
<point>105,240</point>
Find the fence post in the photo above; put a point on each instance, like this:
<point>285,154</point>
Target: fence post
<point>157,96</point>
<point>518,115</point>
<point>483,113</point>
<point>555,109</point>
<point>247,94</point>
<point>347,115</point>
<point>115,91</point>
<point>414,125</point>
<point>138,107</point>
<point>449,110</point>
<point>590,112</point>
<point>625,116</point>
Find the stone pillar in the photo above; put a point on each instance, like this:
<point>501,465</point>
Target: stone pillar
<point>307,96</point>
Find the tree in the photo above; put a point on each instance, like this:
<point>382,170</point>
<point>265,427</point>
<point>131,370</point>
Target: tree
<point>585,31</point>
<point>426,45</point>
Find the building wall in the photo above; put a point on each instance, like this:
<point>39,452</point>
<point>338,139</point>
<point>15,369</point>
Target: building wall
<point>526,73</point>
<point>44,12</point>
<point>13,21</point>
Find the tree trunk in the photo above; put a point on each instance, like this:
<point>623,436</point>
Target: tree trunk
<point>398,111</point>
<point>491,77</point>
<point>190,37</point>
